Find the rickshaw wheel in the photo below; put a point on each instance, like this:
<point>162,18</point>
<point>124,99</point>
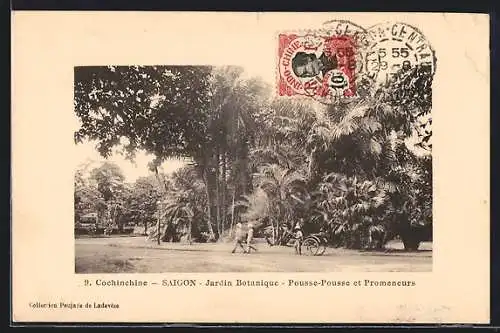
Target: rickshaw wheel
<point>311,245</point>
<point>320,244</point>
<point>321,250</point>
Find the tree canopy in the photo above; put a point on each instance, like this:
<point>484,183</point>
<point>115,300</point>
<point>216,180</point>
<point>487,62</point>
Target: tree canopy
<point>361,161</point>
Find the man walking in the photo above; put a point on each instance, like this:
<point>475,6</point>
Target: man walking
<point>239,238</point>
<point>250,238</point>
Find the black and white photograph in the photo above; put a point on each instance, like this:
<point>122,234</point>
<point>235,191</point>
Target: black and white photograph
<point>204,169</point>
<point>259,167</point>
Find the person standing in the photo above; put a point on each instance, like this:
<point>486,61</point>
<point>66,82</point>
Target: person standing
<point>250,238</point>
<point>239,238</point>
<point>299,236</point>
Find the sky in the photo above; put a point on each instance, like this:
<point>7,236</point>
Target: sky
<point>131,171</point>
<point>86,151</point>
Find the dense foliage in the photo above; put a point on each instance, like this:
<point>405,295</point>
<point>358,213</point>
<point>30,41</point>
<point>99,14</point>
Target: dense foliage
<point>342,168</point>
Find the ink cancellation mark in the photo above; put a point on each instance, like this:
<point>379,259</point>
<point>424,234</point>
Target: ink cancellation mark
<point>399,47</point>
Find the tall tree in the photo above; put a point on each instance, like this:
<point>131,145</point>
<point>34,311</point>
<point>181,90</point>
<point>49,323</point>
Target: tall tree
<point>87,199</point>
<point>160,110</point>
<point>109,179</point>
<point>142,201</point>
<point>183,111</point>
<point>280,184</point>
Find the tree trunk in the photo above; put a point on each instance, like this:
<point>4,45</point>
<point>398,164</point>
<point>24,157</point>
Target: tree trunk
<point>232,210</point>
<point>410,243</point>
<point>411,238</point>
<point>158,236</point>
<point>312,172</point>
<point>217,193</point>
<point>276,228</point>
<point>224,190</point>
<point>190,232</point>
<point>107,220</point>
<point>160,181</point>
<point>408,234</point>
<point>278,218</point>
<point>273,233</point>
<point>243,174</point>
<point>209,182</point>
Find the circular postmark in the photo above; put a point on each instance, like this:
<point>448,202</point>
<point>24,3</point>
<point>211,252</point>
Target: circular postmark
<point>398,47</point>
<point>358,62</point>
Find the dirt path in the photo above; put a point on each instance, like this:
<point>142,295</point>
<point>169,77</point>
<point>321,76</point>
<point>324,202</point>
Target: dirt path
<point>135,254</point>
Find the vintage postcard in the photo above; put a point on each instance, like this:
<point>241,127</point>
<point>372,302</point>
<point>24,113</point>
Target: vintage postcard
<point>250,167</point>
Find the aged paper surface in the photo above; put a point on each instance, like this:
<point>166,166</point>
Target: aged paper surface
<point>47,46</point>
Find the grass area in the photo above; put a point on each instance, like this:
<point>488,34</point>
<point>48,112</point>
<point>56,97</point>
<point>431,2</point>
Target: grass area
<point>138,255</point>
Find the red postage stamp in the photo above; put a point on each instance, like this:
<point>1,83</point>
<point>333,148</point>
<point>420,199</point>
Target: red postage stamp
<point>317,65</point>
<point>314,65</point>
<point>340,59</point>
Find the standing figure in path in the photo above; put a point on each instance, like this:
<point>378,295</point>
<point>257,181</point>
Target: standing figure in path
<point>239,238</point>
<point>250,238</point>
<point>299,236</point>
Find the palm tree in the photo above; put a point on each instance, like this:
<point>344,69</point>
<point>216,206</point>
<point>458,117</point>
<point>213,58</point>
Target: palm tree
<point>231,122</point>
<point>180,214</point>
<point>367,138</point>
<point>280,184</point>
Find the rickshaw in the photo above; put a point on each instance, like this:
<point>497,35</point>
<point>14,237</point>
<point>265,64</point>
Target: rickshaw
<point>314,244</point>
